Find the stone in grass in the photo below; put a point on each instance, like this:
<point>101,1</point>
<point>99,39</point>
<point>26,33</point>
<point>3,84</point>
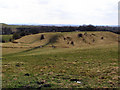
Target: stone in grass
<point>27,74</point>
<point>79,82</point>
<point>76,80</point>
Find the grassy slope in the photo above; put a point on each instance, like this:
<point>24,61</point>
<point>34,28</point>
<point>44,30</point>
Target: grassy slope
<point>64,40</point>
<point>94,66</point>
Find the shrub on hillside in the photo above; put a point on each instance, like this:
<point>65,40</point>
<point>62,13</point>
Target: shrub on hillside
<point>22,34</point>
<point>10,40</point>
<point>16,36</point>
<point>42,37</point>
<point>3,41</point>
<point>80,35</point>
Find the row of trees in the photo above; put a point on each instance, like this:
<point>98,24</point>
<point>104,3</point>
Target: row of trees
<point>26,30</point>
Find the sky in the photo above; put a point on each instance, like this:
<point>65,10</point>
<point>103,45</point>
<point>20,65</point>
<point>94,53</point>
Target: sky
<point>79,12</point>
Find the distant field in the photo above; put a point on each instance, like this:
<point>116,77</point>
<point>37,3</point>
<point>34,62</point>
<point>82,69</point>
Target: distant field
<point>81,65</point>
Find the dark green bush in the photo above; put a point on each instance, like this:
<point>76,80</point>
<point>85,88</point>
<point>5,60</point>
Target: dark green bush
<point>16,36</point>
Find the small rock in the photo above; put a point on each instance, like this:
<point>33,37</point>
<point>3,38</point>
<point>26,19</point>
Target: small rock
<point>76,80</point>
<point>79,82</point>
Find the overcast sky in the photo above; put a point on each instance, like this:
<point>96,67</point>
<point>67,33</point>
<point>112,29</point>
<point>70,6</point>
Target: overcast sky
<point>96,12</point>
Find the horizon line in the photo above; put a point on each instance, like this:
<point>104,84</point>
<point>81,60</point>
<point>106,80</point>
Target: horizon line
<point>57,24</point>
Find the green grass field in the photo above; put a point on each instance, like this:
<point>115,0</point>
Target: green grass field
<point>47,67</point>
<point>6,38</point>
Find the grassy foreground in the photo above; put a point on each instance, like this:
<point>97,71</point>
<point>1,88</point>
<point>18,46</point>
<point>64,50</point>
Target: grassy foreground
<point>95,67</point>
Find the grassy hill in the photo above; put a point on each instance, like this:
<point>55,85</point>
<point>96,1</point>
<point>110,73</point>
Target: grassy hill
<point>66,39</point>
<point>61,60</point>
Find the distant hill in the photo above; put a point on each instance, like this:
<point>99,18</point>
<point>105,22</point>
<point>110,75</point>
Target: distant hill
<point>65,39</point>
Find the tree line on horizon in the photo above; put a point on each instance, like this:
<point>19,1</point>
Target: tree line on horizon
<point>19,31</point>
